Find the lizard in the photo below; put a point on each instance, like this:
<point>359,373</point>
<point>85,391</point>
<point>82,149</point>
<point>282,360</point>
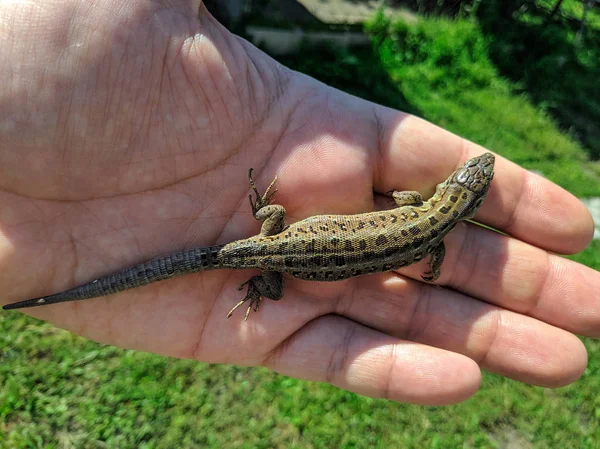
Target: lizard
<point>318,248</point>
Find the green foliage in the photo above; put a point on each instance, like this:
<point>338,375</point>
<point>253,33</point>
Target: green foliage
<point>443,69</point>
<point>449,56</point>
<point>556,62</point>
<point>357,71</point>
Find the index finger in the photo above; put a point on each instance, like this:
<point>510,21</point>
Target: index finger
<point>520,203</point>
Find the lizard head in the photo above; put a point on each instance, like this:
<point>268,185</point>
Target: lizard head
<point>476,175</point>
<point>473,179</point>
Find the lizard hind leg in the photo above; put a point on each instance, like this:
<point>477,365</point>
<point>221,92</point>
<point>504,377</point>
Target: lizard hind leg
<point>268,285</point>
<point>272,216</point>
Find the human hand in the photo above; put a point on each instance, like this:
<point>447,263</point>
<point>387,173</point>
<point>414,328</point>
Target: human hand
<point>127,132</point>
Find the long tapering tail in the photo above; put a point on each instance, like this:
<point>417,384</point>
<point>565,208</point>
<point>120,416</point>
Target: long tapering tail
<point>185,262</point>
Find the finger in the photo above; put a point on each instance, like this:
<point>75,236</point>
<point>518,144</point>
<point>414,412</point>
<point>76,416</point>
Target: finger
<point>523,278</point>
<point>500,341</point>
<point>520,203</point>
<point>365,361</point>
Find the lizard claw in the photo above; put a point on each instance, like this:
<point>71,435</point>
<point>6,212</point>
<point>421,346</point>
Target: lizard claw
<point>261,200</point>
<point>243,284</point>
<point>253,295</point>
<point>430,276</point>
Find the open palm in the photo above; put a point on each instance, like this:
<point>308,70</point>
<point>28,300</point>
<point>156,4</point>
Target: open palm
<point>126,133</point>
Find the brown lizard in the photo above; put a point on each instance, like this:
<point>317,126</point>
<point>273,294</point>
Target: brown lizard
<point>319,248</point>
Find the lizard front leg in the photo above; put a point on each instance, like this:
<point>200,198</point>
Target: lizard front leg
<point>407,198</point>
<point>270,283</point>
<point>435,263</point>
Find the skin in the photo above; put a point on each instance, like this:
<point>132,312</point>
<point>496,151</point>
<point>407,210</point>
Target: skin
<point>126,132</point>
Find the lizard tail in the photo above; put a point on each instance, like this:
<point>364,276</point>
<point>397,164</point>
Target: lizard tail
<point>185,262</point>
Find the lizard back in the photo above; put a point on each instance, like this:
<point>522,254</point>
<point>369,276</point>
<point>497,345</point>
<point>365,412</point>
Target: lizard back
<point>336,247</point>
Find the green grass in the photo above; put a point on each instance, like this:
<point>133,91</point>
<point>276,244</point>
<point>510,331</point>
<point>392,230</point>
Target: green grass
<point>57,390</point>
<point>60,391</point>
<point>590,256</point>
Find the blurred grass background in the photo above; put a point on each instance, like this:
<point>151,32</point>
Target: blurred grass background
<point>514,76</point>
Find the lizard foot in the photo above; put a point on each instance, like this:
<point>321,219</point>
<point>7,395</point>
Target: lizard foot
<point>261,200</point>
<point>428,277</point>
<point>268,285</point>
<point>431,276</point>
<point>253,295</point>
